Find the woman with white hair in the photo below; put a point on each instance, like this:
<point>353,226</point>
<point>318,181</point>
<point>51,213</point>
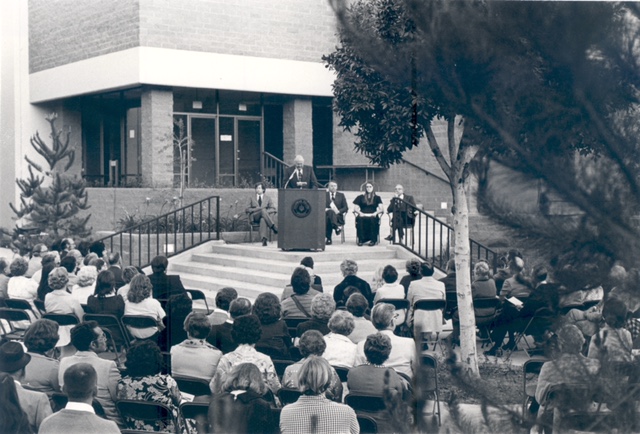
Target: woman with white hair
<point>60,301</point>
<point>349,269</point>
<point>340,351</point>
<point>86,284</point>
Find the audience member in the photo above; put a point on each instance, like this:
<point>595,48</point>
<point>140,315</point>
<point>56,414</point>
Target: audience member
<point>370,379</point>
<point>403,350</point>
<point>99,263</point>
<point>69,264</point>
<point>244,406</point>
<point>164,286</point>
<point>322,307</point>
<point>116,268</point>
<point>35,263</point>
<point>426,288</point>
<point>13,417</point>
<point>61,302</point>
<point>340,350</point>
<point>313,412</point>
<point>78,416</point>
<point>246,333</point>
<point>312,344</point>
<point>316,281</point>
<point>41,373</point>
<point>145,382</point>
<point>75,254</point>
<point>127,274</point>
<point>195,347</point>
<point>297,303</point>
<point>49,257</point>
<point>43,283</point>
<point>179,307</point>
<point>413,267</point>
<point>98,248</point>
<point>20,286</point>
<point>357,305</point>
<point>4,279</point>
<point>612,343</point>
<point>220,335</point>
<point>224,297</point>
<point>450,287</point>
<point>391,288</point>
<point>105,300</point>
<point>377,281</point>
<point>89,340</point>
<point>139,302</point>
<point>86,284</point>
<point>517,285</point>
<point>275,340</point>
<point>505,271</point>
<point>349,269</point>
<point>35,404</point>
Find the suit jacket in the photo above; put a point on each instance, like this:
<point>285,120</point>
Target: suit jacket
<point>340,201</point>
<point>308,176</point>
<point>117,274</point>
<point>267,203</point>
<point>164,286</point>
<point>35,405</point>
<point>80,422</point>
<point>405,211</point>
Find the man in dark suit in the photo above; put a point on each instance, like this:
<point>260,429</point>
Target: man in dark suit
<point>116,269</point>
<point>262,210</point>
<point>403,212</point>
<point>299,175</point>
<point>335,210</point>
<point>164,286</point>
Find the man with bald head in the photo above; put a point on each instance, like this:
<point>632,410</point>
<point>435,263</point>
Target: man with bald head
<point>299,175</point>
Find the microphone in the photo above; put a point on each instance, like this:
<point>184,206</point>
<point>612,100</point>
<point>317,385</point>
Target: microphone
<point>289,180</point>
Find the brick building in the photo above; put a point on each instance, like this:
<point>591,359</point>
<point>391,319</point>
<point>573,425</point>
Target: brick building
<point>244,76</point>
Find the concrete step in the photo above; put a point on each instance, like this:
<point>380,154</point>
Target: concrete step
<point>211,286</point>
<point>335,252</point>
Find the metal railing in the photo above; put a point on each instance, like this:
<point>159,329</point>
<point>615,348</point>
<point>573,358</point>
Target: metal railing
<point>168,234</point>
<point>432,239</point>
<point>273,170</point>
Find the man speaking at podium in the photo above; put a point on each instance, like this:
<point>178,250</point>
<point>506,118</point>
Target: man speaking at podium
<point>299,175</point>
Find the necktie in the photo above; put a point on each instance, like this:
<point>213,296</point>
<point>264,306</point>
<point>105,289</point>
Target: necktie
<point>299,174</point>
<point>260,200</point>
<point>332,197</point>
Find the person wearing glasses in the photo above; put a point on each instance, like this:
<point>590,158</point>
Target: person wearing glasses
<point>402,207</point>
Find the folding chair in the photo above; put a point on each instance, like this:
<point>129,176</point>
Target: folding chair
<point>342,372</point>
<point>281,366</point>
<point>63,319</point>
<point>543,318</point>
<point>359,222</point>
<point>368,425</point>
<point>39,304</point>
<point>166,362</point>
<point>485,310</point>
<point>197,411</point>
<point>430,305</point>
<point>18,321</point>
<point>196,294</point>
<point>113,324</point>
<point>138,322</point>
<point>292,324</point>
<point>18,303</point>
<point>193,386</point>
<point>400,304</point>
<point>153,413</point>
<point>369,404</point>
<point>288,396</point>
<point>571,399</point>
<point>430,366</point>
<point>531,370</point>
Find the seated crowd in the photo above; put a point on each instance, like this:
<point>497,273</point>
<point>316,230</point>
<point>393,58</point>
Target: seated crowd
<point>250,357</point>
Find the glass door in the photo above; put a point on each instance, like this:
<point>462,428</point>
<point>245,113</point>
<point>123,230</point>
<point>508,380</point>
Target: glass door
<point>248,151</point>
<point>202,172</point>
<point>227,151</point>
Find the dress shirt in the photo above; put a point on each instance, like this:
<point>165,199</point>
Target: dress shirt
<point>401,358</point>
<point>363,328</point>
<point>329,417</point>
<point>34,404</point>
<point>340,351</point>
<point>245,354</point>
<point>149,307</point>
<point>41,374</point>
<point>187,352</point>
<point>79,406</point>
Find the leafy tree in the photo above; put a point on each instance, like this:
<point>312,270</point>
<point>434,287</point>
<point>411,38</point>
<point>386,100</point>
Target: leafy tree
<point>50,200</point>
<point>528,83</point>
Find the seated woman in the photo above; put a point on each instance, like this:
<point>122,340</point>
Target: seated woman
<point>128,273</point>
<point>85,285</point>
<point>369,379</point>
<point>178,309</point>
<point>105,300</point>
<point>144,382</point>
<point>340,350</point>
<point>612,343</point>
<point>312,344</point>
<point>139,302</point>
<point>322,307</point>
<point>246,333</point>
<point>357,305</point>
<point>391,289</point>
<point>244,406</point>
<point>313,412</point>
<point>426,288</point>
<point>275,340</point>
<point>413,268</point>
<point>41,374</point>
<point>195,347</point>
<point>19,285</point>
<point>349,270</point>
<point>368,209</point>
<point>60,301</point>
<point>297,297</point>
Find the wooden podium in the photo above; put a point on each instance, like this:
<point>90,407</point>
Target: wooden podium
<point>301,219</point>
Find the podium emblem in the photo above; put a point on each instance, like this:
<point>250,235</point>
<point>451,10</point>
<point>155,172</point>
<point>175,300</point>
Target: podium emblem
<point>301,208</point>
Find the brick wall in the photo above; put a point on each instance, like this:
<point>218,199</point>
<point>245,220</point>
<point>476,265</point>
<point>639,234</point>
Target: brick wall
<point>66,31</point>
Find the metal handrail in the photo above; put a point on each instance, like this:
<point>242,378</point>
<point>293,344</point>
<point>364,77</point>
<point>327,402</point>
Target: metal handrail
<point>273,170</point>
<point>434,241</point>
<point>169,234</point>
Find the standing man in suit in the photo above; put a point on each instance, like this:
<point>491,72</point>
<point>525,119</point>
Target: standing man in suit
<point>262,210</point>
<point>299,175</point>
<point>403,213</point>
<point>335,210</point>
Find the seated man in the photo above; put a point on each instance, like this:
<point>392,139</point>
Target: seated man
<point>78,416</point>
<point>262,210</point>
<point>335,210</point>
<point>164,286</point>
<point>401,207</point>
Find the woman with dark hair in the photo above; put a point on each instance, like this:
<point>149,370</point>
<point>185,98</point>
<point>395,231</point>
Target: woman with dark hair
<point>612,343</point>
<point>105,300</point>
<point>139,302</point>
<point>313,412</point>
<point>275,340</point>
<point>245,404</point>
<point>4,279</point>
<point>178,308</point>
<point>368,209</point>
<point>14,419</point>
<point>312,344</point>
<point>43,286</point>
<point>414,272</point>
<point>246,333</point>
<point>296,298</point>
<point>145,382</point>
<point>41,374</point>
<point>357,305</point>
<point>128,273</point>
<point>391,288</point>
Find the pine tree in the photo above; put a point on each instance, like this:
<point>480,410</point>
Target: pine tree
<point>50,200</point>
